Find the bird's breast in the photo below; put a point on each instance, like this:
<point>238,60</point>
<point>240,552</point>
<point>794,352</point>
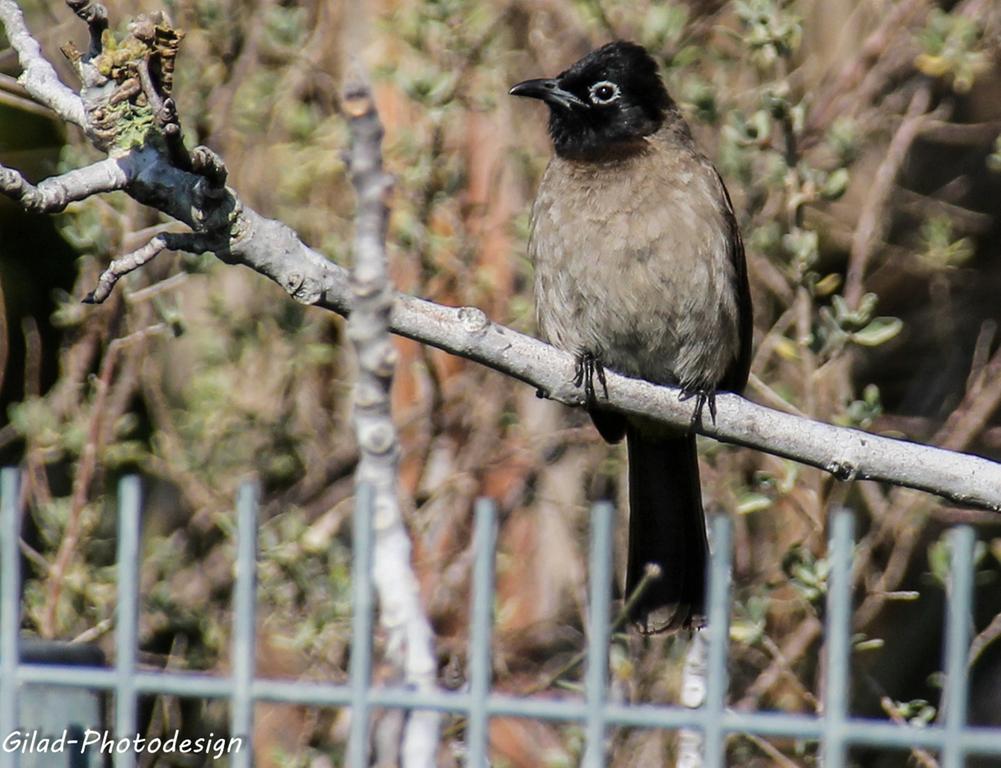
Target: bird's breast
<point>633,263</point>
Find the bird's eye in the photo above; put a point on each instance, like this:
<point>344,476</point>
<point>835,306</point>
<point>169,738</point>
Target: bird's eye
<point>604,92</point>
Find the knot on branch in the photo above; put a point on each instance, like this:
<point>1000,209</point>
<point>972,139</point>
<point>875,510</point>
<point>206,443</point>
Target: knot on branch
<point>369,395</point>
<point>357,101</point>
<point>843,469</point>
<point>211,167</point>
<point>365,158</point>
<point>378,439</point>
<point>14,186</point>
<point>303,289</point>
<point>128,81</point>
<point>368,282</point>
<point>473,320</point>
<point>385,363</point>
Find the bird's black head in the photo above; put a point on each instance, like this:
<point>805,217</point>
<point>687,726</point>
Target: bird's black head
<point>606,102</point>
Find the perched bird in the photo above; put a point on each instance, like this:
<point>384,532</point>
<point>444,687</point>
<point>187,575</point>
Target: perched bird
<point>639,267</point>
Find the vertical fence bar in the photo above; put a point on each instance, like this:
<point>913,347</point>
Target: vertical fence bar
<point>10,604</point>
<point>957,644</point>
<point>126,630</point>
<point>244,625</point>
<point>361,625</point>
<point>838,631</point>
<point>599,631</point>
<point>714,739</point>
<point>481,610</point>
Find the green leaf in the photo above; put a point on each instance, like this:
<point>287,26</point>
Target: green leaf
<point>752,502</point>
<point>879,331</point>
<point>745,632</point>
<point>835,185</point>
<point>802,245</point>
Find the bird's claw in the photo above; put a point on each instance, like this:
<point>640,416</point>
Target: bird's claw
<point>587,367</point>
<point>703,397</point>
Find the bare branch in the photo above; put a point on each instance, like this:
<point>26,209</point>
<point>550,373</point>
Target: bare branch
<point>165,112</point>
<point>849,454</point>
<point>274,250</point>
<point>874,221</point>
<point>410,645</point>
<point>794,647</point>
<point>54,194</point>
<point>243,236</point>
<point>984,638</point>
<point>208,164</point>
<point>85,469</point>
<point>13,95</point>
<point>38,77</point>
<point>921,756</point>
<point>95,16</point>
<point>173,241</point>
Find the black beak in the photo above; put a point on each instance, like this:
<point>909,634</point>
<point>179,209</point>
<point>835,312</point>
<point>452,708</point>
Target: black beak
<point>548,90</point>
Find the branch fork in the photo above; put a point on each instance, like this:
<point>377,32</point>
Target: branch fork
<point>128,112</point>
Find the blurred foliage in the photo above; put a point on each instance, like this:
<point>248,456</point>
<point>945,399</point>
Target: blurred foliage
<point>952,47</point>
<point>872,309</point>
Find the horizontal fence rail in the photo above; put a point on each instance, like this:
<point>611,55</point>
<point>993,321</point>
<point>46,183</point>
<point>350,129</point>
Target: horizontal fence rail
<point>834,728</point>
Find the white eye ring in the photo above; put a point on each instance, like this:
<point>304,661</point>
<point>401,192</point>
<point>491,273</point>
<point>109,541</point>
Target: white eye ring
<point>603,85</point>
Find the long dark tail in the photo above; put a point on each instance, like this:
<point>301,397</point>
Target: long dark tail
<point>666,528</point>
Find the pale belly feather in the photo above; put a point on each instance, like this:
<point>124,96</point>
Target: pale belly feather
<point>631,274</point>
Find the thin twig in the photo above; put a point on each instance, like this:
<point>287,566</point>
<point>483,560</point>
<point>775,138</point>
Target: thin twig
<point>38,76</point>
<point>977,407</point>
<point>32,357</point>
<point>963,425</point>
<point>794,647</point>
<point>651,574</point>
<point>54,194</point>
<point>771,750</point>
<point>85,469</point>
<point>984,638</point>
<point>776,653</point>
<point>922,756</point>
<point>843,93</point>
<point>117,269</point>
<point>874,221</point>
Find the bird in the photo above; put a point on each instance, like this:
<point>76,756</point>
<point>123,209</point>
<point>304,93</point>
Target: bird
<point>639,268</point>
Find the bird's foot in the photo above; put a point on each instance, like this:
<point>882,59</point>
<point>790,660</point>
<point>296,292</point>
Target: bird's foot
<point>703,397</point>
<point>587,367</point>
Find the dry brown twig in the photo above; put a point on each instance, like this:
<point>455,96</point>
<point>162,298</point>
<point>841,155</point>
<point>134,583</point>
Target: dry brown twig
<point>984,638</point>
<point>841,94</point>
<point>921,756</point>
<point>793,648</point>
<point>779,758</point>
<point>84,472</point>
<point>969,418</point>
<point>874,221</point>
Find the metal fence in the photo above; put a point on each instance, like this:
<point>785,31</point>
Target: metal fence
<point>836,730</point>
